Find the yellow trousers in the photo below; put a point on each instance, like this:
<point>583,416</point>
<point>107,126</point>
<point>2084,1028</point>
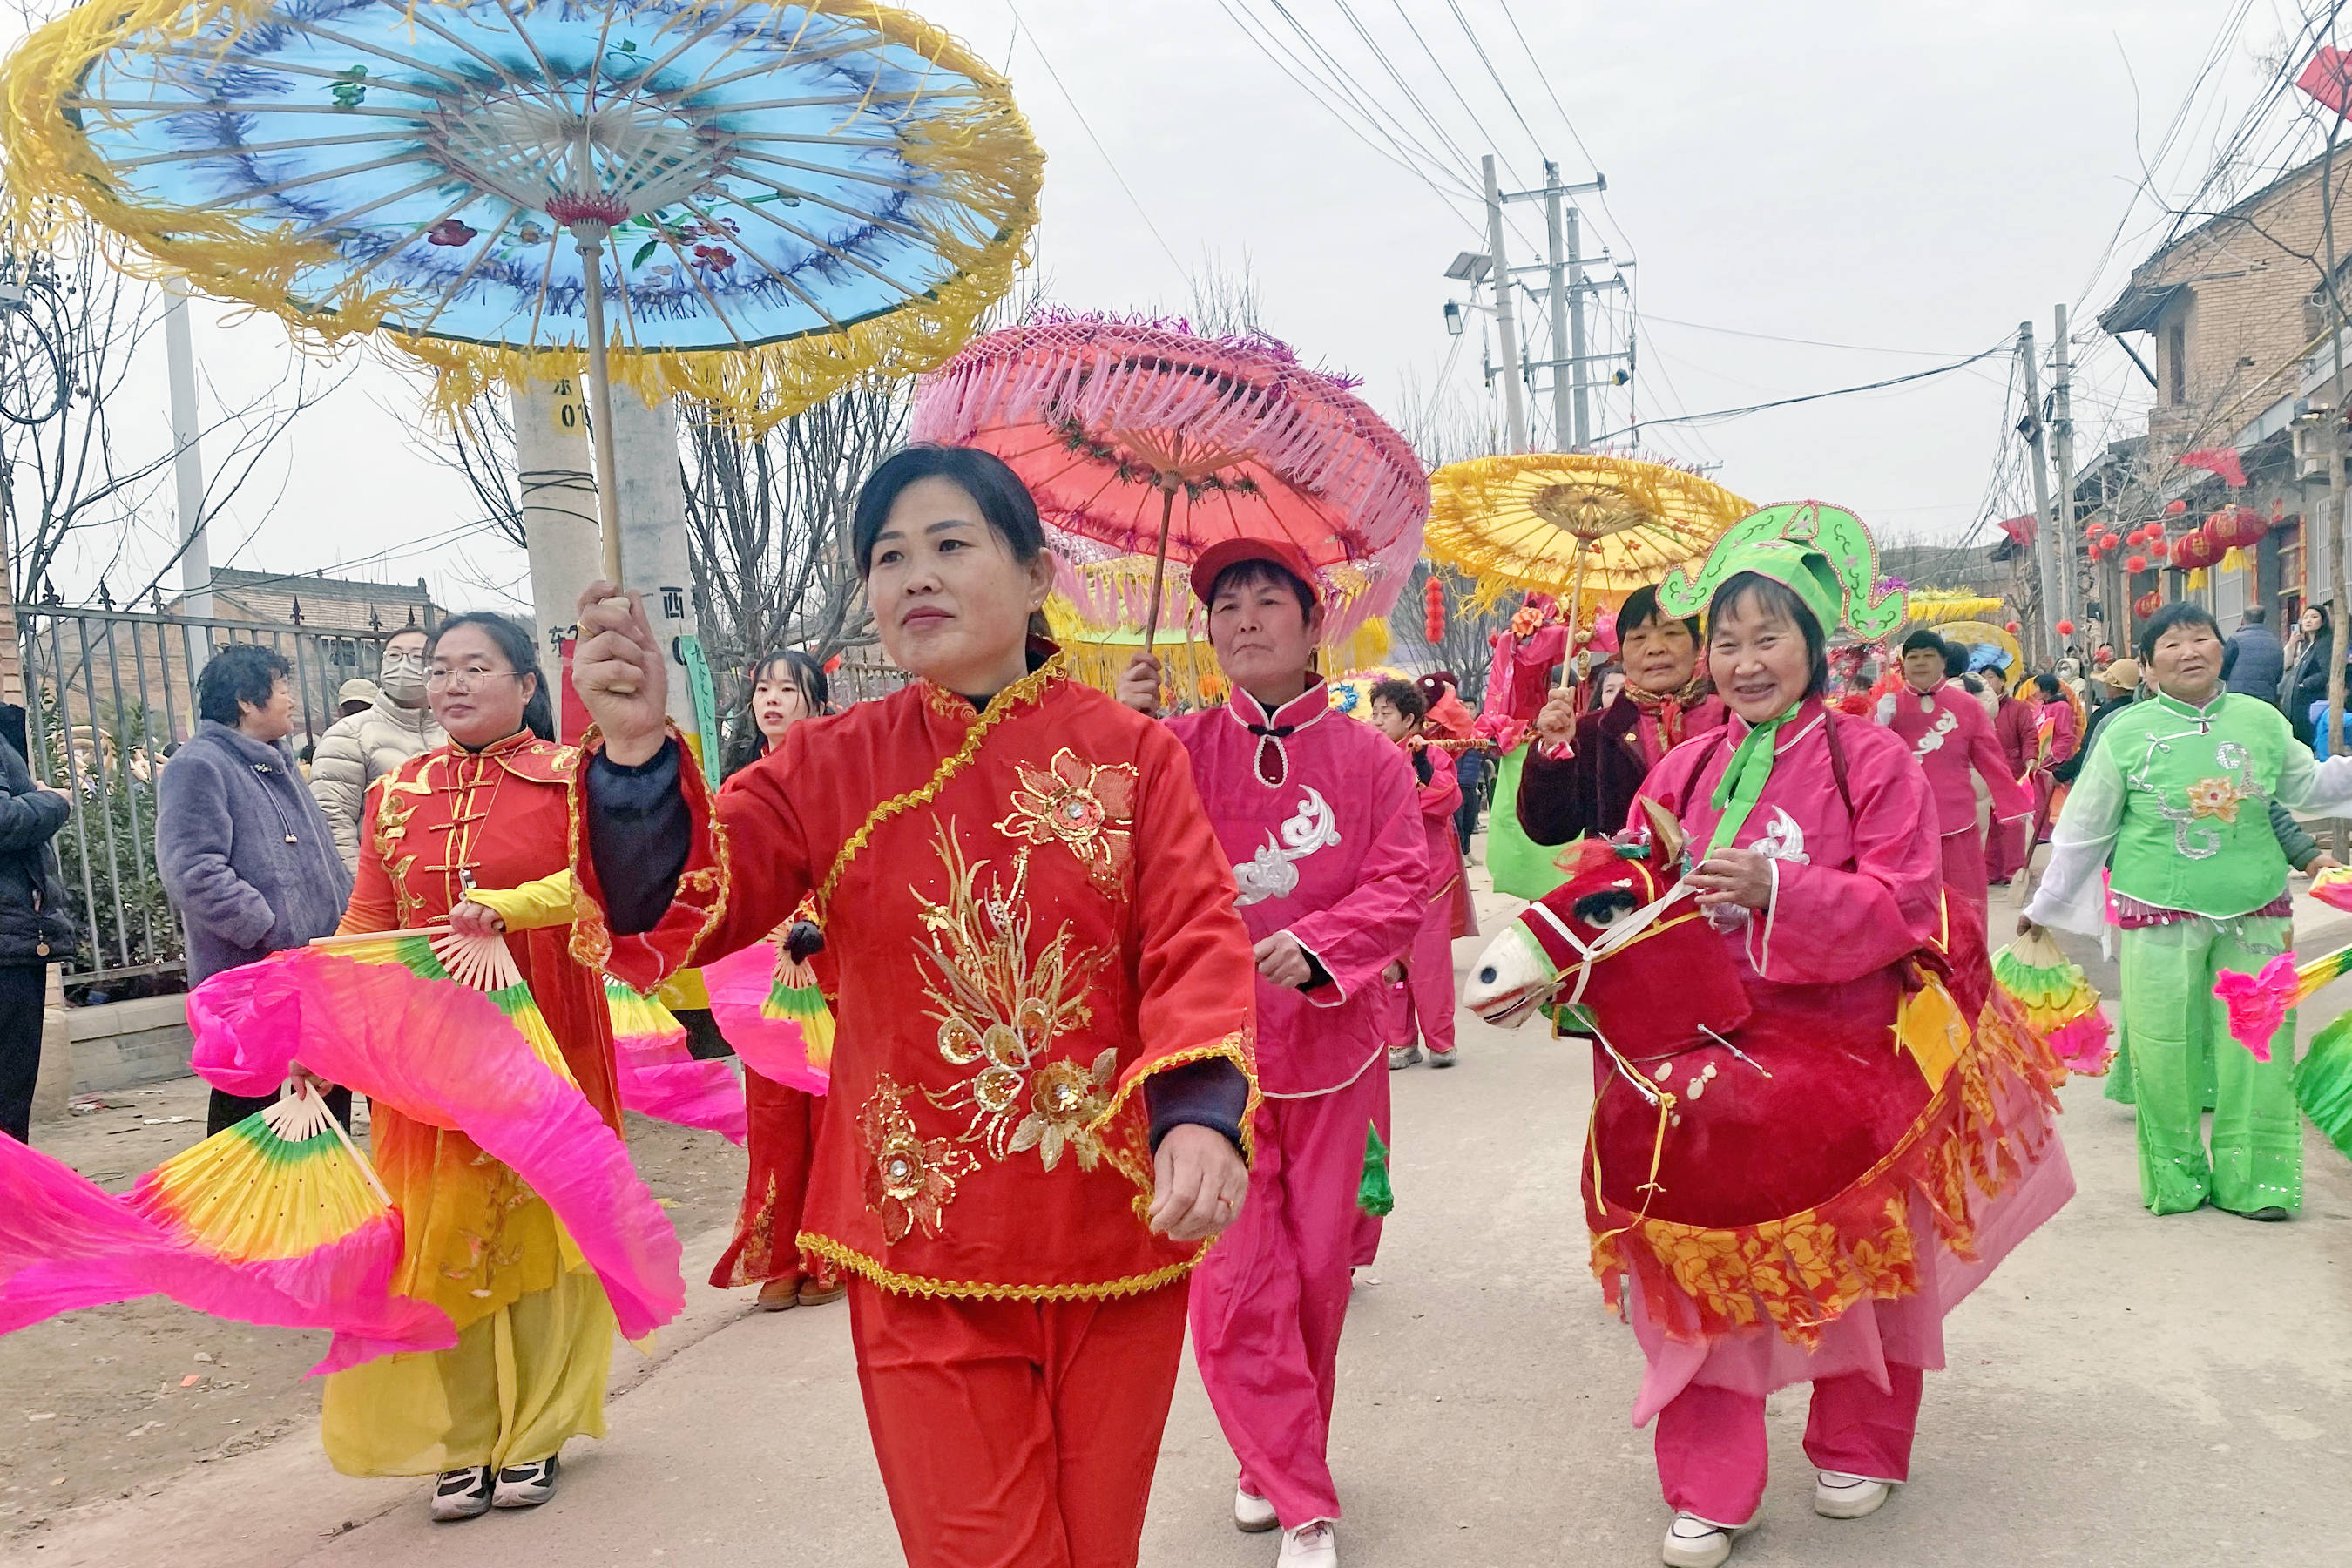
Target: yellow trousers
<point>516,1385</point>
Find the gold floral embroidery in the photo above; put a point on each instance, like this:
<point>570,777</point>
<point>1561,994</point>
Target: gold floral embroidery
<point>1065,1101</point>
<point>1086,806</point>
<point>2218,797</point>
<point>909,1179</point>
<point>999,1007</point>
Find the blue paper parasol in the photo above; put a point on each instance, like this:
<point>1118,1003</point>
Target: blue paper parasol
<point>843,189</point>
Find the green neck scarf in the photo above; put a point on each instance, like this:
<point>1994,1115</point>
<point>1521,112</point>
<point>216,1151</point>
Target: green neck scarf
<point>1742,784</point>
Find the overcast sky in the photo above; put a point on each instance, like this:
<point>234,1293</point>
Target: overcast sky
<point>1907,181</point>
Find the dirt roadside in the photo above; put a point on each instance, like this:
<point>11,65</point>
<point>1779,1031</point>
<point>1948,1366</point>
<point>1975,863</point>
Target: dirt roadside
<point>94,1405</point>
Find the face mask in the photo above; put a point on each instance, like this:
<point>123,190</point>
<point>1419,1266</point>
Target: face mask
<point>403,676</point>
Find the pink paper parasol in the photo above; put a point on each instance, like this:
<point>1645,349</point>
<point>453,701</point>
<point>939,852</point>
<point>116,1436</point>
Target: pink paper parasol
<point>1144,444</point>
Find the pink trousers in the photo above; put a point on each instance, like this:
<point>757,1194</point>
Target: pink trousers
<point>1426,993</point>
<point>1269,1299</point>
<point>1710,1440</point>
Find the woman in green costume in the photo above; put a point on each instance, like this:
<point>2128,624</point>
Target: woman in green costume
<point>2174,800</point>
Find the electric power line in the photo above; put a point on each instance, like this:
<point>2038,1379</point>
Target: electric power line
<point>1021,25</point>
<point>2002,347</point>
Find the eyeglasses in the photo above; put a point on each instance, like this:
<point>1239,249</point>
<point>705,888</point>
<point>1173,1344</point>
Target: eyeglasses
<point>465,679</point>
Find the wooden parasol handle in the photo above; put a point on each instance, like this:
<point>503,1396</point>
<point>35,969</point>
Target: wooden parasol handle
<point>1168,483</point>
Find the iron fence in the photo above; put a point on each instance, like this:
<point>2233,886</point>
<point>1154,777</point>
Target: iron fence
<point>110,694</point>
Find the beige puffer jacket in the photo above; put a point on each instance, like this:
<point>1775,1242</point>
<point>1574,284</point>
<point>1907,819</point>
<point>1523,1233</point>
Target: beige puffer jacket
<point>359,750</point>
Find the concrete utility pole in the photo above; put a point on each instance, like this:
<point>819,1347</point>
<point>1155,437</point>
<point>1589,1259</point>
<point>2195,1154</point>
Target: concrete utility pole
<point>2061,439</point>
<point>1569,410</point>
<point>188,474</point>
<point>1515,414</point>
<point>654,557</point>
<point>558,504</point>
<point>2044,547</point>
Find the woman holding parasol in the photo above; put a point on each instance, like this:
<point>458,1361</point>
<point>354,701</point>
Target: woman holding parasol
<point>1042,1085</point>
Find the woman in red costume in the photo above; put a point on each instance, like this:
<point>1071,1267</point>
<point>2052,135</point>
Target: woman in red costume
<point>786,688</point>
<point>475,832</point>
<point>1041,1079</point>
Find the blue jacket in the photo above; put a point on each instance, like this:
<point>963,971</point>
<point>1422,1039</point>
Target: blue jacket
<point>2253,664</point>
<point>244,852</point>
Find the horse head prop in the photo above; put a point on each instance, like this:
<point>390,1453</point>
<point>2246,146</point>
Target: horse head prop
<point>1621,938</point>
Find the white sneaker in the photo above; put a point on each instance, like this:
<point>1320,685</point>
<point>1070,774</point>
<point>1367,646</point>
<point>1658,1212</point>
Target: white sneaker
<point>1693,1542</point>
<point>462,1494</point>
<point>1402,1057</point>
<point>1310,1546</point>
<point>1253,1514</point>
<point>526,1486</point>
<point>1837,1495</point>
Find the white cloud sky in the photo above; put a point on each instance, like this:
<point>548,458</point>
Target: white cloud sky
<point>1916,177</point>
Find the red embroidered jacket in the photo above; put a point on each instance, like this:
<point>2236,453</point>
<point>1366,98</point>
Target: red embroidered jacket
<point>1008,959</point>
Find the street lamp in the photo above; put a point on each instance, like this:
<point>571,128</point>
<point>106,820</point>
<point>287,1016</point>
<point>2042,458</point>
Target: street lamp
<point>1452,319</point>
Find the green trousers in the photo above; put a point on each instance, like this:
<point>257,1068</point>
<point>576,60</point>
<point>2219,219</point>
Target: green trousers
<point>2180,1051</point>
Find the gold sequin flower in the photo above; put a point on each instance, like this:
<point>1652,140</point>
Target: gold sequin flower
<point>1064,1101</point>
<point>909,1179</point>
<point>1085,806</point>
<point>2218,797</point>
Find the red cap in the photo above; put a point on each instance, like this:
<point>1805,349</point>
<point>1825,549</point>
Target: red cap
<point>1226,552</point>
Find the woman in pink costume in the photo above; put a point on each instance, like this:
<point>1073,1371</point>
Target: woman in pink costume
<point>1803,1152</point>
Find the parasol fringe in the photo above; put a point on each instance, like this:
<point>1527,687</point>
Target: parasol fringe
<point>1260,410</point>
<point>1483,522</point>
<point>979,217</point>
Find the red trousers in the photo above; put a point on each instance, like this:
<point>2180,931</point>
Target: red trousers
<point>1710,1440</point>
<point>781,1137</point>
<point>1426,993</point>
<point>1965,897</point>
<point>1017,1434</point>
<point>2004,849</point>
<point>1271,1297</point>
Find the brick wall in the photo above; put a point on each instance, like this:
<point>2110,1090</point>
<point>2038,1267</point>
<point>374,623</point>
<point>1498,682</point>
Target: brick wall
<point>2240,323</point>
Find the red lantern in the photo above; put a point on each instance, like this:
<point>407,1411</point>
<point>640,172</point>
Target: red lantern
<point>2010,627</point>
<point>2146,604</point>
<point>2237,528</point>
<point>2160,548</point>
<point>2174,508</point>
<point>2109,540</point>
<point>2134,562</point>
<point>2065,628</point>
<point>1433,625</point>
<point>2195,551</point>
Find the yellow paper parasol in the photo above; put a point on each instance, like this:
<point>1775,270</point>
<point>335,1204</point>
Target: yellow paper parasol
<point>1934,608</point>
<point>1587,527</point>
<point>1098,655</point>
<point>1970,633</point>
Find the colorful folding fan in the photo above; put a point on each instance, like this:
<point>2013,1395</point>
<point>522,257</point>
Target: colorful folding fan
<point>277,1220</point>
<point>773,1012</point>
<point>2258,1003</point>
<point>2322,1083</point>
<point>2057,1000</point>
<point>660,1078</point>
<point>404,1017</point>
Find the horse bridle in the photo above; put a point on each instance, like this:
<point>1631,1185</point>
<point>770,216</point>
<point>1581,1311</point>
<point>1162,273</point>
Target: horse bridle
<point>1633,928</point>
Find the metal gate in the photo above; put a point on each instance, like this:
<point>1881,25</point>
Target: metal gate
<point>110,694</point>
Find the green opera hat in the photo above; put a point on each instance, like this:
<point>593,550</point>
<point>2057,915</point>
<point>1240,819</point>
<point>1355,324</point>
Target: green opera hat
<point>1821,552</point>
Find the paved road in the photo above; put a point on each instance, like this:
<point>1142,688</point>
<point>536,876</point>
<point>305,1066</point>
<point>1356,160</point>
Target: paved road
<point>2126,1391</point>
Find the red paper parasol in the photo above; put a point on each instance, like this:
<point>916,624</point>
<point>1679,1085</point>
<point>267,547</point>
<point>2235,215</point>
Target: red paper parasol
<point>1144,444</point>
